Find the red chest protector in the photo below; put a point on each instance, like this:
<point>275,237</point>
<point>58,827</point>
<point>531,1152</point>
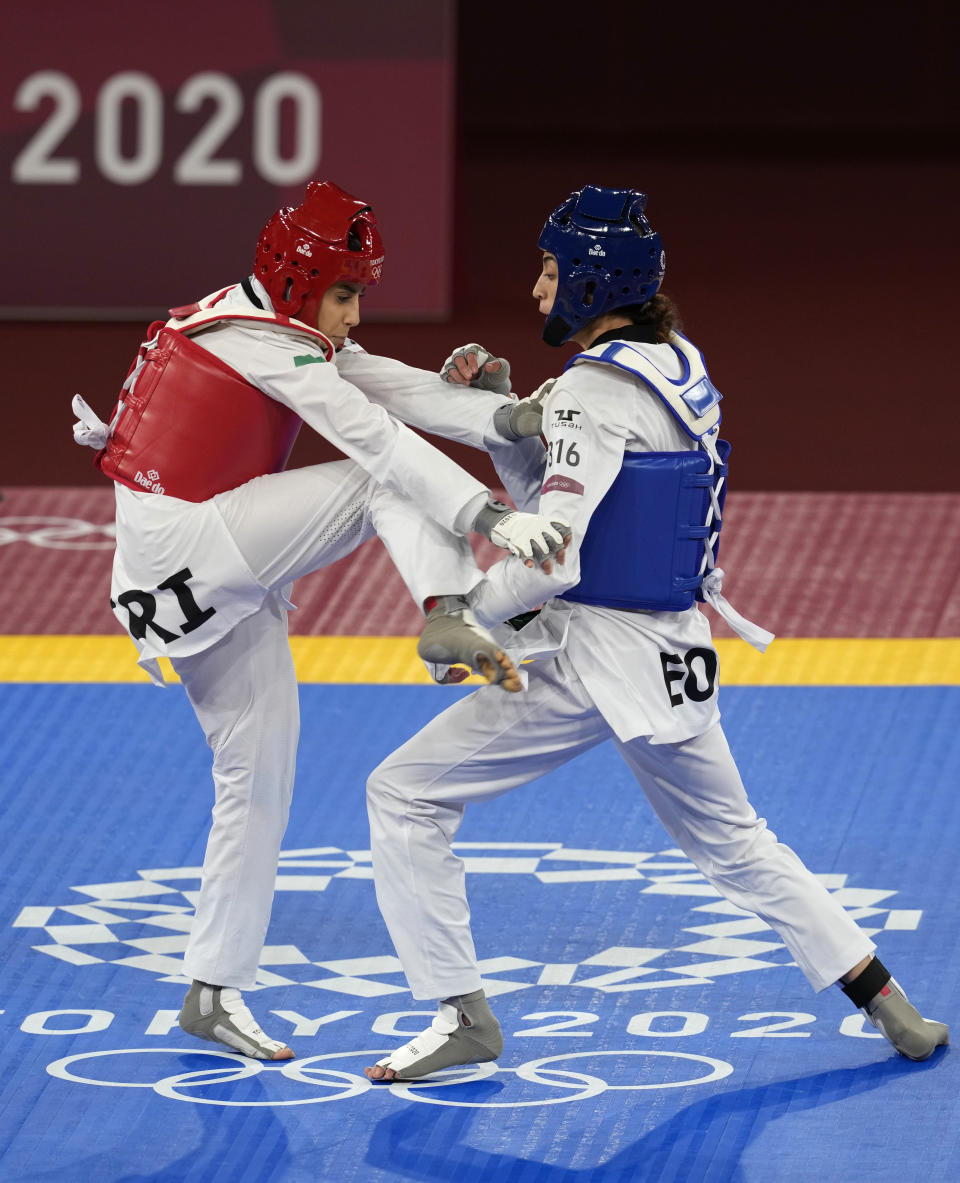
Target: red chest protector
<point>187,424</point>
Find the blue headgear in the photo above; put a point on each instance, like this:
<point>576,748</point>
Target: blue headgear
<point>607,257</point>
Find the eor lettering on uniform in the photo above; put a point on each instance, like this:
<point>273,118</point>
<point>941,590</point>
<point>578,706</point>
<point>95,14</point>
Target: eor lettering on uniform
<point>690,675</point>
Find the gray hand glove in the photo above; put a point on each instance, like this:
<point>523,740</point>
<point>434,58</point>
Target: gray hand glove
<point>470,362</point>
<point>523,417</point>
<point>529,536</point>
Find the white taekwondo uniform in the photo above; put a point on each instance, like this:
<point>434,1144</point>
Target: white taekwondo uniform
<point>243,548</point>
<point>645,680</point>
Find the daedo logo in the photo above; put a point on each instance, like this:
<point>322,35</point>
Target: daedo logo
<point>150,482</point>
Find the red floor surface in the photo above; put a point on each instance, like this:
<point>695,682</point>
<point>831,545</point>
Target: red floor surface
<point>800,564</point>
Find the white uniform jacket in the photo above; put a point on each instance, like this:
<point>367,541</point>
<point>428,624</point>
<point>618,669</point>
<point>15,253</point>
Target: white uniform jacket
<point>650,674</point>
<point>356,403</point>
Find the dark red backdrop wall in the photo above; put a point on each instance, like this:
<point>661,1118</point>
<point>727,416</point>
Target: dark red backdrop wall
<point>805,179</point>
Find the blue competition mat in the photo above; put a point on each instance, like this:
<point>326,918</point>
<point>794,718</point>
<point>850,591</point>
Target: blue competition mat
<point>653,1031</point>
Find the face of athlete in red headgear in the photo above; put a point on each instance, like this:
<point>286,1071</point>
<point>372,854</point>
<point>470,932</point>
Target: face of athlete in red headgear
<point>339,311</point>
<point>330,238</point>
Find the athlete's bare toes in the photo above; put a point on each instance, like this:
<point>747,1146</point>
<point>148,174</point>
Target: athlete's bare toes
<point>377,1072</point>
<point>284,1053</point>
<point>506,676</point>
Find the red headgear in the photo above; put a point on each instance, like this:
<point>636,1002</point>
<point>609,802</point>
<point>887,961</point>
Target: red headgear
<point>305,249</point>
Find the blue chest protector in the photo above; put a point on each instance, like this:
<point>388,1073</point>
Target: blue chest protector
<point>668,504</point>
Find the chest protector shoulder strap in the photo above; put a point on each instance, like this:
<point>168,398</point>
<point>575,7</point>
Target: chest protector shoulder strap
<point>188,425</point>
<point>668,505</point>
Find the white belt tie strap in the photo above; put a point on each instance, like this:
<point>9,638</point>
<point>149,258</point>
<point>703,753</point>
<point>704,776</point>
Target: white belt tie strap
<point>89,429</point>
<point>711,588</point>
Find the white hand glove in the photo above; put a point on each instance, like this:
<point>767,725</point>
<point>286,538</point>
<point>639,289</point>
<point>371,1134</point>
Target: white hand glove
<point>468,366</point>
<point>529,536</point>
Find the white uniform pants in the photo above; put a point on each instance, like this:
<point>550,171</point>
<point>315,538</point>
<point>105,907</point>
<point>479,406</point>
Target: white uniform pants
<point>243,689</point>
<point>491,742</point>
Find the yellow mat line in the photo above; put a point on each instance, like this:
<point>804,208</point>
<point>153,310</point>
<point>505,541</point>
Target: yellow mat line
<point>790,661</point>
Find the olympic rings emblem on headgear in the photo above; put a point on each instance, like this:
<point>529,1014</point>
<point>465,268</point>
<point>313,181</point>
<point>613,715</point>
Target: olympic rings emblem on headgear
<point>55,533</point>
<point>575,1086</point>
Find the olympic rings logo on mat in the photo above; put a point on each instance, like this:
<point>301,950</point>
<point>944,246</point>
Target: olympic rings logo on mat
<point>55,533</point>
<point>338,1085</point>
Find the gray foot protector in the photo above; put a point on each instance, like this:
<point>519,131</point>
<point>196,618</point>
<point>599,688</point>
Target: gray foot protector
<point>452,636</point>
<point>465,1031</point>
<point>902,1024</point>
<point>218,1014</point>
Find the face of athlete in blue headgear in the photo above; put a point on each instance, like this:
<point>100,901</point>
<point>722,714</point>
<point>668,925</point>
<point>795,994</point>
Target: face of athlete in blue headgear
<point>604,255</point>
<point>545,289</point>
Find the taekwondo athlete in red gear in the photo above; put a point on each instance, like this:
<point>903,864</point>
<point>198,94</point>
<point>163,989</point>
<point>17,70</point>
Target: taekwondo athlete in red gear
<point>211,533</point>
<point>619,652</point>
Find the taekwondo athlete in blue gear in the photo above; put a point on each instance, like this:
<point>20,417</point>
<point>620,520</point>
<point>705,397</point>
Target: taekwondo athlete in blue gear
<point>636,399</point>
<point>669,503</point>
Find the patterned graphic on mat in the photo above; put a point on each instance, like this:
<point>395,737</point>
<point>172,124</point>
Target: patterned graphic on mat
<point>144,923</point>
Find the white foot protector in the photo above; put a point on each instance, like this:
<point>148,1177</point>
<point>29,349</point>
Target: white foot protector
<point>219,1014</point>
<point>464,1031</point>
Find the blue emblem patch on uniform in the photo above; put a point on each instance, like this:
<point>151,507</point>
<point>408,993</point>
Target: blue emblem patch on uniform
<point>701,397</point>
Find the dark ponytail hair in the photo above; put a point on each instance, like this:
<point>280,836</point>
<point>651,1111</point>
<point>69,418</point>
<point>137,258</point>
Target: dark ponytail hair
<point>660,312</point>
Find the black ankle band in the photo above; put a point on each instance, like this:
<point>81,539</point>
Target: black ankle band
<point>867,984</point>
